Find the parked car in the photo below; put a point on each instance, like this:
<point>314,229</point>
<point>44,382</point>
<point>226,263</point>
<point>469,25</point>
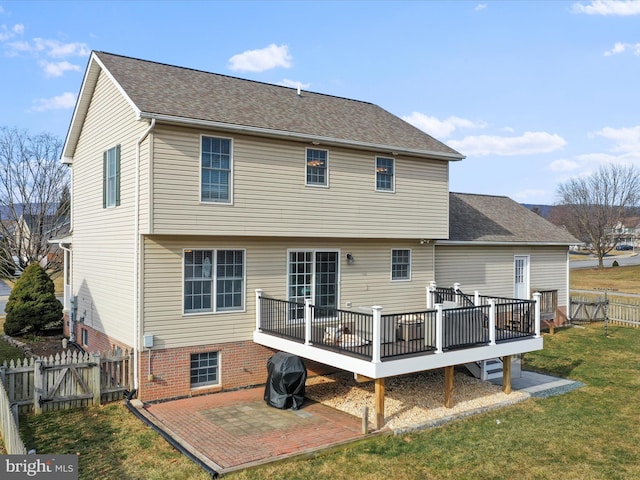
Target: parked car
<point>624,247</point>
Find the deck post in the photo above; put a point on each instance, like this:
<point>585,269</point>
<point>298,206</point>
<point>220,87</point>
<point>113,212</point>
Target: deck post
<point>307,321</point>
<point>439,328</point>
<point>448,386</point>
<point>456,290</point>
<point>430,289</point>
<point>476,298</point>
<point>377,337</point>
<point>379,391</point>
<point>536,298</point>
<point>492,321</point>
<point>258,309</point>
<point>506,374</point>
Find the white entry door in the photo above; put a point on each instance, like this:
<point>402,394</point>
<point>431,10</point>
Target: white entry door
<point>521,276</point>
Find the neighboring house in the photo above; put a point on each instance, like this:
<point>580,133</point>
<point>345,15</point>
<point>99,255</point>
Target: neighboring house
<point>626,233</point>
<point>215,220</point>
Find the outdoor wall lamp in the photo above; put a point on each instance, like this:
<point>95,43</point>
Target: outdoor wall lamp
<point>349,259</point>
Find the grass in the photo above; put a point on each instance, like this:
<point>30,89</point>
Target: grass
<point>588,433</point>
<point>616,279</point>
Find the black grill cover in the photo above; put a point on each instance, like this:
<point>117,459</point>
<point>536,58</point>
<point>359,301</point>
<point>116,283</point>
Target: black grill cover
<point>285,382</point>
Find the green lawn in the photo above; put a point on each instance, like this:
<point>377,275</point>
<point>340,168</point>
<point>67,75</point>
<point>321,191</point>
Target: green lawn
<point>589,433</point>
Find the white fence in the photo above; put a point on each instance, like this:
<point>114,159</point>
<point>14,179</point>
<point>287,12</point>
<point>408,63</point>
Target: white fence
<point>9,426</point>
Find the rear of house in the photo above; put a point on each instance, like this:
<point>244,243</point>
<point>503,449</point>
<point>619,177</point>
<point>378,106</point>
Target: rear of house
<point>192,191</point>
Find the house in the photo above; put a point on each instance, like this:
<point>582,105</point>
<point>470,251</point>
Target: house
<point>217,220</point>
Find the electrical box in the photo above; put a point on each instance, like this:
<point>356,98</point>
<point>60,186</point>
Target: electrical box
<point>147,341</point>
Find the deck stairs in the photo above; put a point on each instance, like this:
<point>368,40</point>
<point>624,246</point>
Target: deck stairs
<point>486,369</point>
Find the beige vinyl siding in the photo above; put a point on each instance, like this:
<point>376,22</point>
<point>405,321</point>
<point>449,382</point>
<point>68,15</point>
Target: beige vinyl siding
<point>366,282</point>
<point>270,193</point>
<point>490,270</point>
<point>103,238</point>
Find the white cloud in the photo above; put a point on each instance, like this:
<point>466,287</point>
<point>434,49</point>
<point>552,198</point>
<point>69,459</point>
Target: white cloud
<point>627,140</point>
<point>480,6</point>
<point>292,83</point>
<point>564,165</point>
<point>57,69</point>
<point>8,33</point>
<point>260,60</point>
<point>528,143</point>
<point>620,47</point>
<point>440,128</point>
<point>608,7</point>
<point>60,102</point>
<point>530,195</point>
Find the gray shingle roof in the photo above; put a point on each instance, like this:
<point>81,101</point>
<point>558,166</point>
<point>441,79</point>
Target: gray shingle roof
<point>487,219</point>
<point>165,90</point>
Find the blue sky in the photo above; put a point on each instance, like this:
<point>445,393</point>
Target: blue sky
<point>533,93</point>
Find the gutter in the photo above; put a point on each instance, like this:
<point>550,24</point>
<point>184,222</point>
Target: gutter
<point>136,258</point>
<point>391,149</point>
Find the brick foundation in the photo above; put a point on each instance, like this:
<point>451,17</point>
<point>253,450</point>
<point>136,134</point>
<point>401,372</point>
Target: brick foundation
<point>97,341</point>
<point>241,364</point>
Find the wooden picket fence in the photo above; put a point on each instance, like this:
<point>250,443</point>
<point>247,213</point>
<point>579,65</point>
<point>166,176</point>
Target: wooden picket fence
<point>617,312</point>
<point>9,425</point>
<point>69,380</point>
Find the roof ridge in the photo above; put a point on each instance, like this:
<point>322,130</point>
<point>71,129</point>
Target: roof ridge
<point>231,77</point>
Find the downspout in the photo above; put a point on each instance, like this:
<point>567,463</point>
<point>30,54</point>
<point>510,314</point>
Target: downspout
<point>67,293</point>
<point>136,258</point>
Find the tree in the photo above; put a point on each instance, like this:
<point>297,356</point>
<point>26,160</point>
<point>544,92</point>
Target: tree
<point>32,303</point>
<point>34,185</point>
<point>595,205</point>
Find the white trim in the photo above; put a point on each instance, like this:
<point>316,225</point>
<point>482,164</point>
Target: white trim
<point>313,274</point>
<point>391,266</point>
<point>231,147</point>
<point>502,243</point>
<point>302,136</point>
<point>214,305</point>
<point>306,168</point>
<point>401,366</point>
<point>526,275</point>
<point>375,176</point>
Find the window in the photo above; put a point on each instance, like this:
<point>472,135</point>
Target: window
<point>317,167</point>
<point>85,337</point>
<point>213,280</point>
<point>400,264</point>
<point>204,369</point>
<point>215,182</point>
<point>111,177</point>
<point>314,275</point>
<point>384,174</point>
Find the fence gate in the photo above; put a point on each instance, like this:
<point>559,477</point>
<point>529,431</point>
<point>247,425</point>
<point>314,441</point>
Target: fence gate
<point>72,384</point>
<point>583,311</point>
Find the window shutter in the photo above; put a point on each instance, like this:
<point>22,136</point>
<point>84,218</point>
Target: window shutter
<point>104,179</point>
<point>117,175</point>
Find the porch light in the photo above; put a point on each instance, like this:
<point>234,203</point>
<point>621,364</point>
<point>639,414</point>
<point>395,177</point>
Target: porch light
<point>349,259</point>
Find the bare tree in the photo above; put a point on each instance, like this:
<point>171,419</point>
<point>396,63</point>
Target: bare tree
<point>596,205</point>
<point>33,183</point>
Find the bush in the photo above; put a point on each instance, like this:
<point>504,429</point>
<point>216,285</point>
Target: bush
<point>615,264</point>
<point>32,303</point>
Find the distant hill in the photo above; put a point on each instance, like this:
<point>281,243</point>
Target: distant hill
<point>543,210</point>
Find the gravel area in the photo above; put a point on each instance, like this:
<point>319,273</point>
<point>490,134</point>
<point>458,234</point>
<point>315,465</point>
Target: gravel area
<point>411,401</point>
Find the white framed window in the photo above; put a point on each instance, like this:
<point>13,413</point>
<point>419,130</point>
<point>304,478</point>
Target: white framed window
<point>85,337</point>
<point>214,281</point>
<point>111,177</point>
<point>385,174</point>
<point>313,274</point>
<point>400,264</point>
<point>204,370</point>
<point>216,159</point>
<point>317,163</point>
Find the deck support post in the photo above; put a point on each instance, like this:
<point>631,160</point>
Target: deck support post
<point>379,391</point>
<point>448,386</point>
<point>258,309</point>
<point>536,298</point>
<point>506,374</point>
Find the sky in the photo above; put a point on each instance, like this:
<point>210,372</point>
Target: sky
<point>533,93</point>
